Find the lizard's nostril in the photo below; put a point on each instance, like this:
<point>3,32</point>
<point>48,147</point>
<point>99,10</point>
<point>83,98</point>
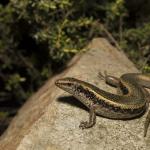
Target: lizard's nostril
<point>58,82</point>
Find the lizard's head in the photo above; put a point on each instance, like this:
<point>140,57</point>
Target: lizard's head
<point>68,84</point>
<point>77,88</point>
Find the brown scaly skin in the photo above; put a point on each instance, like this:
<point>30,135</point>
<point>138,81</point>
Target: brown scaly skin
<point>131,101</point>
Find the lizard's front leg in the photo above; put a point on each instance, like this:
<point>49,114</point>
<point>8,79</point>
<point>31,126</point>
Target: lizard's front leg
<point>92,119</point>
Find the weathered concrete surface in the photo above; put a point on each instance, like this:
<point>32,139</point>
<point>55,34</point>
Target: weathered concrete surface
<point>50,119</point>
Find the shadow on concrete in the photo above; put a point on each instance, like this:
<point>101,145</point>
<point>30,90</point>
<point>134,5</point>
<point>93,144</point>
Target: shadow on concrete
<point>72,101</point>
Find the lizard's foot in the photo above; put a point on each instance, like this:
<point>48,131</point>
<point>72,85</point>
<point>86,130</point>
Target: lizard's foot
<point>85,125</point>
<point>102,76</point>
<point>92,119</point>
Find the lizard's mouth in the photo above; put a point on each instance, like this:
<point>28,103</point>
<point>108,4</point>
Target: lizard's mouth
<point>58,82</point>
<point>64,82</point>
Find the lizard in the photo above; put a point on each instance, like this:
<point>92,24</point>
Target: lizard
<point>131,100</point>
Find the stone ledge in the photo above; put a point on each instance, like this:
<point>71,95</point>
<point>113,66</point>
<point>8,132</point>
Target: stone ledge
<point>50,118</point>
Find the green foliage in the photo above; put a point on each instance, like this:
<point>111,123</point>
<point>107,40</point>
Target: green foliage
<point>4,114</point>
<point>136,43</point>
<point>115,9</point>
<point>146,68</point>
<point>37,38</point>
<point>14,81</point>
<point>52,23</point>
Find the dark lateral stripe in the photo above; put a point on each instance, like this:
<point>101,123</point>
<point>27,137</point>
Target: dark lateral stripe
<point>90,95</point>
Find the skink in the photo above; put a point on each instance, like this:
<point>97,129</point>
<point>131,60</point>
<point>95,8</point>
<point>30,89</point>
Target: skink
<point>131,100</point>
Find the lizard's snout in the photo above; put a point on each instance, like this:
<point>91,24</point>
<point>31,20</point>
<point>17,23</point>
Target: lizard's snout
<point>59,82</point>
<point>64,82</point>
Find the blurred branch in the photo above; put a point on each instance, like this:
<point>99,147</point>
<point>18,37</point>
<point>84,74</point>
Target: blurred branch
<point>144,63</point>
<point>109,35</point>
